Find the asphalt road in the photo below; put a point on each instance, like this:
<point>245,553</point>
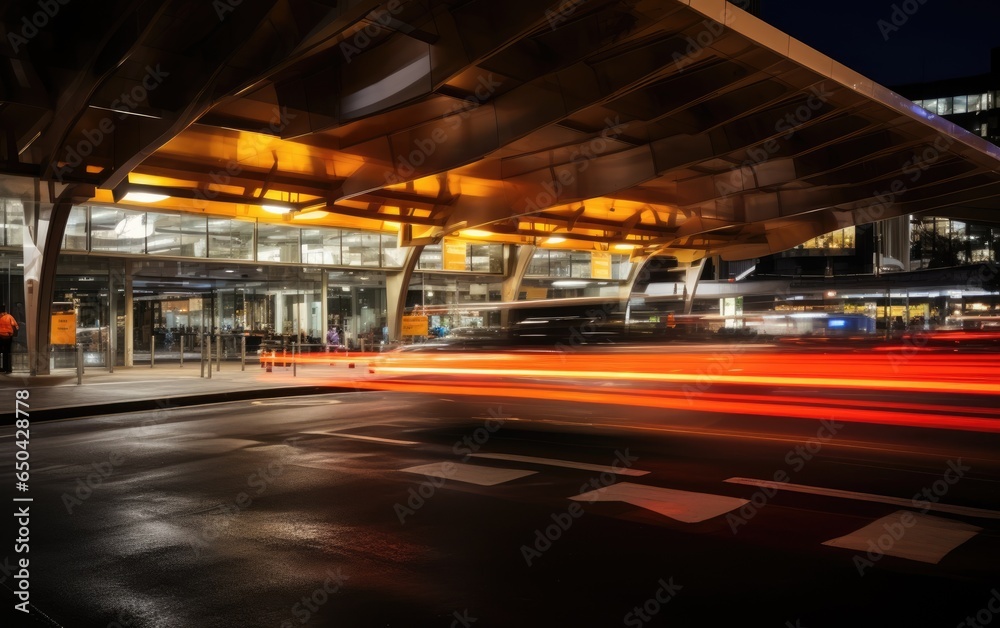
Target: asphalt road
<point>380,509</point>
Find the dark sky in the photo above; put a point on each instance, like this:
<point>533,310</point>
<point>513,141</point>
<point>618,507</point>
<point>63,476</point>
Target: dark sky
<point>941,39</point>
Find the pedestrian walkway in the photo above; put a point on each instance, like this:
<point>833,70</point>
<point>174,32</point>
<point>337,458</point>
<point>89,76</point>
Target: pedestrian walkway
<point>59,396</point>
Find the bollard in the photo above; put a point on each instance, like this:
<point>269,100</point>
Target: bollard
<point>295,362</point>
<point>202,358</point>
<point>79,364</point>
<point>208,342</point>
<point>152,351</point>
<point>269,363</point>
<point>243,353</point>
<point>218,352</point>
<point>110,358</point>
<point>182,350</point>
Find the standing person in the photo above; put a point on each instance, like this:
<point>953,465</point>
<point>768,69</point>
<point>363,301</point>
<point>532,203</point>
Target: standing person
<point>8,327</point>
<point>332,339</point>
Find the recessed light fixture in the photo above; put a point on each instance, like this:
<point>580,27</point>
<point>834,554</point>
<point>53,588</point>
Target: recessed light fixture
<point>555,240</point>
<point>625,247</point>
<point>476,233</point>
<point>230,270</point>
<point>144,197</point>
<point>277,209</point>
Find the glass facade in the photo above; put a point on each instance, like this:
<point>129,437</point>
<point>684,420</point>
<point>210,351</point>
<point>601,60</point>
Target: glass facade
<point>943,242</point>
<point>230,238</point>
<point>479,258</point>
<point>969,103</point>
<point>839,242</point>
<point>100,229</point>
<point>559,263</point>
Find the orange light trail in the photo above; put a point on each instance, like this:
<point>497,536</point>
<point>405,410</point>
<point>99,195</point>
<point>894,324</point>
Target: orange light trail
<point>685,380</point>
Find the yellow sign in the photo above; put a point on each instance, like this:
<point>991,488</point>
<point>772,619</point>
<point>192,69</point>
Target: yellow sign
<point>63,331</point>
<point>414,326</point>
<point>454,254</point>
<point>600,265</point>
<point>533,293</point>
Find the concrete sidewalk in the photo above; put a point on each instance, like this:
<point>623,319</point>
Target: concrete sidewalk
<point>58,396</point>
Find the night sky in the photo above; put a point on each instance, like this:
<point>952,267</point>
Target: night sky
<point>941,39</point>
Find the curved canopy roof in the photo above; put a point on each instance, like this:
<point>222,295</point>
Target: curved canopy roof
<point>672,127</point>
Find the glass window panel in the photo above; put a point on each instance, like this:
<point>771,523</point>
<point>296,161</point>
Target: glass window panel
<point>392,255</point>
<point>75,237</point>
<point>580,264</point>
<point>361,249</point>
<point>960,104</point>
<point>974,103</point>
<point>230,238</point>
<point>944,106</point>
<point>321,246</point>
<point>986,101</point>
<point>277,243</point>
<point>430,258</point>
<point>620,267</point>
<point>931,105</point>
<point>177,235</point>
<point>560,264</point>
<point>13,225</point>
<point>114,230</point>
<point>539,265</point>
<point>486,258</point>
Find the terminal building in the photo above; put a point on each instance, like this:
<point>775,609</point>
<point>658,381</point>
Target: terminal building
<point>268,170</point>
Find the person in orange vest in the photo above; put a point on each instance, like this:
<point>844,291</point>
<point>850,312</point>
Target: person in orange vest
<point>8,328</point>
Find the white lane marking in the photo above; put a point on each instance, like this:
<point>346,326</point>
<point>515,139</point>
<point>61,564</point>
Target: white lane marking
<point>683,506</point>
<point>374,439</point>
<point>552,462</point>
<point>473,474</point>
<point>869,497</point>
<point>910,535</point>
